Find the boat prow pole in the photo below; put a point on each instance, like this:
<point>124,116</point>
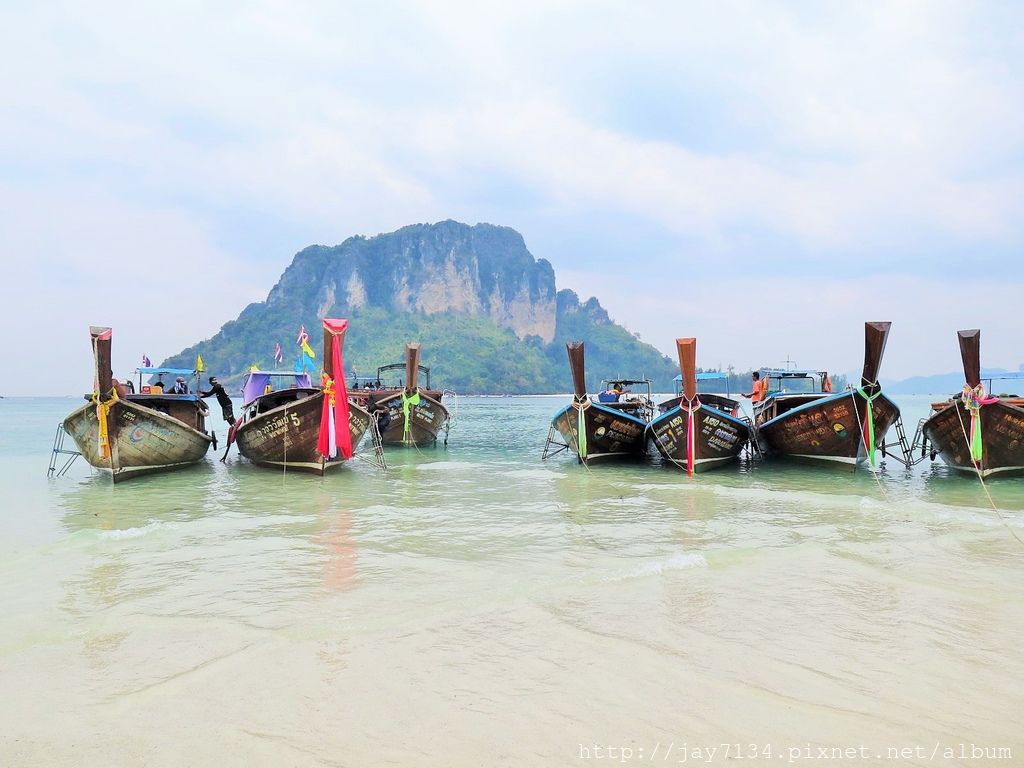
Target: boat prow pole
<point>687,349</point>
<point>412,367</point>
<point>103,386</point>
<point>576,366</point>
<point>104,376</point>
<point>970,354</point>
<point>875,336</point>
<point>579,389</point>
<point>332,329</point>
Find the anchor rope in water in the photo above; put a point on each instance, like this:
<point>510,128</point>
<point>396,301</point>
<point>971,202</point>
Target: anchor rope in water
<point>856,411</point>
<point>867,427</point>
<point>975,463</point>
<point>284,462</point>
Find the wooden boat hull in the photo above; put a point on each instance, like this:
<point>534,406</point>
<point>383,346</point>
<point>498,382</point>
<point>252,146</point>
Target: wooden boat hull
<point>286,437</point>
<point>719,437</point>
<point>610,433</point>
<point>1002,433</point>
<point>142,440</point>
<point>426,420</point>
<point>827,429</point>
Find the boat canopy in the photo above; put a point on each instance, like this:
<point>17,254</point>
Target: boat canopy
<point>382,380</point>
<point>710,375</point>
<point>783,373</point>
<point>257,383</point>
<point>625,382</point>
<point>167,371</point>
<point>704,376</point>
<point>1011,376</point>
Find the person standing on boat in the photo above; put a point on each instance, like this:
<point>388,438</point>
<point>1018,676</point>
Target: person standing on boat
<point>760,390</point>
<point>226,406</point>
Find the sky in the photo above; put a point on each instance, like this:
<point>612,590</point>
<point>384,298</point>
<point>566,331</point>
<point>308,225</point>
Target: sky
<point>763,176</point>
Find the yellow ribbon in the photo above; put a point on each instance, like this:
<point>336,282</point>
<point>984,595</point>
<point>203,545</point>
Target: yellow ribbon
<point>327,385</point>
<point>102,412</point>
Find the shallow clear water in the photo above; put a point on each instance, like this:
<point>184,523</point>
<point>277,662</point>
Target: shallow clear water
<point>476,606</point>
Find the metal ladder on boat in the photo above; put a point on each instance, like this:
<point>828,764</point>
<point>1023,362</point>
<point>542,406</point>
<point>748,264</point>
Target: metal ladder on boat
<point>553,441</point>
<point>753,446</point>
<point>378,447</point>
<point>58,451</point>
<point>905,447</point>
<point>453,413</point>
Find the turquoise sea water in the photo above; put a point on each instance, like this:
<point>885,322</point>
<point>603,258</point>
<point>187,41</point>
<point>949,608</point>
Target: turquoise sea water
<point>476,606</point>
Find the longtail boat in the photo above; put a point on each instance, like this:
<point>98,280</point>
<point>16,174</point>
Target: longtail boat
<point>697,431</point>
<point>288,423</point>
<point>611,425</point>
<point>131,434</point>
<point>406,413</point>
<point>975,431</point>
<point>802,418</point>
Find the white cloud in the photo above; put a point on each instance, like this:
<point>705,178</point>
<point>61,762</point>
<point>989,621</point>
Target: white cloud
<point>846,134</point>
<point>815,322</point>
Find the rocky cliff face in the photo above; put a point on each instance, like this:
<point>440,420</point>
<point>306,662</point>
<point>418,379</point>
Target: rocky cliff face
<point>484,308</point>
<point>480,270</point>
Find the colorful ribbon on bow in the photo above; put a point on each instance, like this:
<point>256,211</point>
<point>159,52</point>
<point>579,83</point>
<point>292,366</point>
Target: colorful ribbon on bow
<point>407,403</point>
<point>868,428</point>
<point>102,412</point>
<point>581,428</point>
<point>691,409</point>
<point>335,434</point>
<point>973,399</point>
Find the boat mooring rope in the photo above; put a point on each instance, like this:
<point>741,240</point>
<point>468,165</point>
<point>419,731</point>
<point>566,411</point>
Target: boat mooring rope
<point>974,462</point>
<point>856,411</point>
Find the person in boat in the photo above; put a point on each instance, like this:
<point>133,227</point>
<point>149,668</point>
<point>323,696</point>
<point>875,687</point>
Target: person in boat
<point>157,388</point>
<point>760,390</point>
<point>180,386</point>
<point>227,408</point>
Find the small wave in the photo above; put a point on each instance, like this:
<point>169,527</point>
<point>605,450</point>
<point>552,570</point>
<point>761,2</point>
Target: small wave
<point>677,562</point>
<point>134,533</point>
<point>535,474</point>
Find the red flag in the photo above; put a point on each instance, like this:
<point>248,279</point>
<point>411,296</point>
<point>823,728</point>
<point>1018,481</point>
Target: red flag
<point>278,357</point>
